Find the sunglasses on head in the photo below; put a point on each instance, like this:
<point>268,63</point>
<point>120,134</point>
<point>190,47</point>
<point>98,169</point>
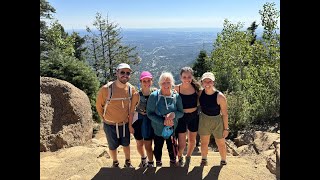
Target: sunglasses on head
<point>123,73</point>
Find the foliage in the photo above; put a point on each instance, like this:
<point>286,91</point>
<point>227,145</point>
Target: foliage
<point>252,30</point>
<point>56,37</point>
<point>105,50</point>
<point>229,58</point>
<point>201,64</point>
<point>248,70</point>
<point>46,11</point>
<point>79,47</point>
<point>68,68</point>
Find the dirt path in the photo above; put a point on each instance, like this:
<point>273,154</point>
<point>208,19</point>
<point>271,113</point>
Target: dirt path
<point>93,162</point>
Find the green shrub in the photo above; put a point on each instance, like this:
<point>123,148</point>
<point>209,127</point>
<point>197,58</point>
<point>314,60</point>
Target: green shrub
<point>68,68</point>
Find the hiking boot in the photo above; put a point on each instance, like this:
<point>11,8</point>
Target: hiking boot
<point>115,164</point>
<point>180,162</point>
<point>128,164</point>
<point>150,164</point>
<point>143,162</point>
<point>188,159</point>
<point>222,163</point>
<point>204,162</point>
<point>158,164</point>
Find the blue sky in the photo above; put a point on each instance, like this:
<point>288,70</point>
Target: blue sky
<point>77,14</point>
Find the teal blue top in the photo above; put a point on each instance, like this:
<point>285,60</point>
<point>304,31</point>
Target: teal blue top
<point>165,105</point>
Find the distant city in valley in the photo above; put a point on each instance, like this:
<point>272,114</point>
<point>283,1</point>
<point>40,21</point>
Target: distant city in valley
<point>167,49</point>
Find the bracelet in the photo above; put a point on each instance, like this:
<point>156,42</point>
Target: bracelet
<point>227,129</point>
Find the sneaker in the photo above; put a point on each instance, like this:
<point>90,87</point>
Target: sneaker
<point>143,162</point>
<point>115,164</point>
<point>180,162</point>
<point>222,163</point>
<point>128,164</point>
<point>158,164</point>
<point>204,162</point>
<point>150,164</point>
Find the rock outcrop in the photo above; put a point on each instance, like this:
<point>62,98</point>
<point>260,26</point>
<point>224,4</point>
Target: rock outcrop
<point>65,115</point>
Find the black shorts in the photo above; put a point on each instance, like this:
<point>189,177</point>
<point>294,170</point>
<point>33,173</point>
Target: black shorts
<point>190,121</point>
<point>137,131</point>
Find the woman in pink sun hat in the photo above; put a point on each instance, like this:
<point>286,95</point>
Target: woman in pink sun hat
<point>141,125</point>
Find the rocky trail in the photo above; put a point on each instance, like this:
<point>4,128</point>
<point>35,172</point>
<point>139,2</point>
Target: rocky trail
<point>92,161</point>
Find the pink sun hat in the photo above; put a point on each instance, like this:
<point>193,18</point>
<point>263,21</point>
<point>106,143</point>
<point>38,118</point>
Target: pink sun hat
<point>145,74</point>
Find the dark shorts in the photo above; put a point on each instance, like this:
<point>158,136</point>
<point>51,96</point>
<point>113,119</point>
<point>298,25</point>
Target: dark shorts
<point>138,132</point>
<point>190,121</point>
<point>112,139</point>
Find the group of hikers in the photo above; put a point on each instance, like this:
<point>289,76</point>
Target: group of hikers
<point>174,114</point>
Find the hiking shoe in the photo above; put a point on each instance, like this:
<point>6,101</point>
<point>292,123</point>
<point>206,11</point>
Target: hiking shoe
<point>143,162</point>
<point>150,164</point>
<point>180,162</point>
<point>204,162</point>
<point>115,164</point>
<point>128,164</point>
<point>222,163</point>
<point>158,164</point>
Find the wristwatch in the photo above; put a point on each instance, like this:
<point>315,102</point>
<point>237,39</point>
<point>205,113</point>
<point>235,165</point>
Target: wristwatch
<point>227,129</point>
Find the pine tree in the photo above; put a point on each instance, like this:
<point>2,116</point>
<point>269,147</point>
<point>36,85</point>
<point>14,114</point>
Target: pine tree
<point>201,65</point>
<point>252,31</point>
<point>105,50</point>
<point>46,11</point>
<point>79,46</point>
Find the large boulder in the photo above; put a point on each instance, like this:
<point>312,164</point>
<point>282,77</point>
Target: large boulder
<point>65,115</point>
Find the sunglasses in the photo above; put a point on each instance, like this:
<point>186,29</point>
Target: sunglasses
<point>123,73</point>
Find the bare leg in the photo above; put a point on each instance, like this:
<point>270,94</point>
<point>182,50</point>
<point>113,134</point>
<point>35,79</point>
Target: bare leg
<point>221,143</point>
<point>140,148</point>
<point>113,154</point>
<point>148,146</point>
<point>204,145</point>
<point>126,151</point>
<point>191,142</point>
<point>181,143</point>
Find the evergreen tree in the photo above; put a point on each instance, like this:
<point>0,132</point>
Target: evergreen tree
<point>79,46</point>
<point>252,30</point>
<point>56,37</point>
<point>201,65</point>
<point>105,49</point>
<point>46,11</point>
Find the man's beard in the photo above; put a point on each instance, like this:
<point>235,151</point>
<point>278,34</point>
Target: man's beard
<point>123,81</point>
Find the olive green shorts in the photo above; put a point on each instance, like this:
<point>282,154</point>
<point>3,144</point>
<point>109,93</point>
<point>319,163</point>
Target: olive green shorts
<point>211,125</point>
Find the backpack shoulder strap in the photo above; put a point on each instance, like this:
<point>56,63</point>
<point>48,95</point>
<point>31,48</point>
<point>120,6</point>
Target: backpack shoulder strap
<point>130,90</point>
<point>158,97</point>
<point>174,95</point>
<point>109,86</point>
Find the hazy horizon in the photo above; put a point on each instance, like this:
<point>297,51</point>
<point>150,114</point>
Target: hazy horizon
<point>77,14</point>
